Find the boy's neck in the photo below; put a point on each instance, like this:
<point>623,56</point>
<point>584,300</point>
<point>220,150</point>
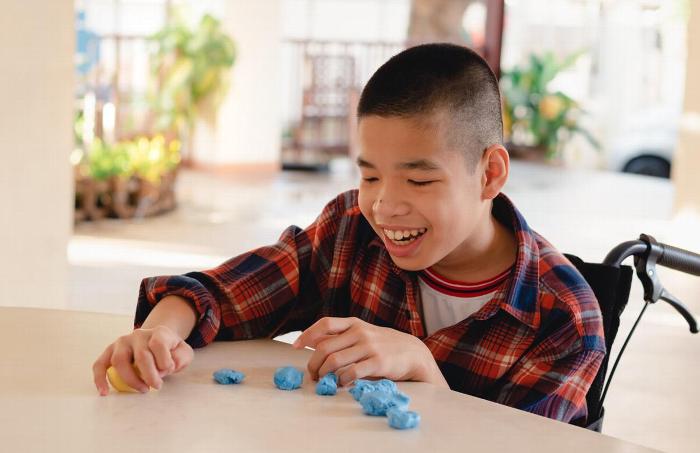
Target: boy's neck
<point>494,251</point>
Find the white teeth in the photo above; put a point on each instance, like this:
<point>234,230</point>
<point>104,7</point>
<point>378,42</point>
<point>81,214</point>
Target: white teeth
<point>405,236</point>
<point>403,242</point>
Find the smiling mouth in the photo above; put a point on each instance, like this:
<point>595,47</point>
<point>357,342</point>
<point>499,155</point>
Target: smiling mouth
<point>404,237</point>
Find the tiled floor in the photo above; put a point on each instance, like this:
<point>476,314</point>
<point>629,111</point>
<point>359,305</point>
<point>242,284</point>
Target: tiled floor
<point>655,392</point>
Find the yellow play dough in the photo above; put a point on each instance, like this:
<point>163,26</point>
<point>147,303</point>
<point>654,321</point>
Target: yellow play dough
<point>117,381</point>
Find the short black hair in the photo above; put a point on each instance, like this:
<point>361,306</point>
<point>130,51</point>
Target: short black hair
<point>440,78</point>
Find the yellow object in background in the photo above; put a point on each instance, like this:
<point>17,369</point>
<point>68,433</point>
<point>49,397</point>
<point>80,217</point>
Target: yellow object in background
<point>117,381</point>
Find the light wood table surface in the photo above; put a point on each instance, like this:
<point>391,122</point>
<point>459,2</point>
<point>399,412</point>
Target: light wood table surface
<point>48,403</point>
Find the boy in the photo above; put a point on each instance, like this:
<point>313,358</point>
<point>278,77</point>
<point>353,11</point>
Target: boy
<point>425,273</point>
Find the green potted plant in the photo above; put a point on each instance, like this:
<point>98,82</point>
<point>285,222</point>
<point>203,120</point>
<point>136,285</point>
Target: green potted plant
<point>137,177</point>
<point>155,162</point>
<point>127,178</point>
<point>189,66</point>
<point>536,118</point>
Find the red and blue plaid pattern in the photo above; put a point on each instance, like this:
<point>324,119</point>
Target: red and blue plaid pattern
<point>536,346</point>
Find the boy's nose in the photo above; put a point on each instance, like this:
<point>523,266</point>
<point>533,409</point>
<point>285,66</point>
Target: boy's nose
<point>385,209</point>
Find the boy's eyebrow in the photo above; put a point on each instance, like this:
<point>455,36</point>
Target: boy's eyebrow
<point>420,164</point>
<point>363,163</point>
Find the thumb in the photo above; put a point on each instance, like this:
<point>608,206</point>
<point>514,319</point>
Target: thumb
<point>182,355</point>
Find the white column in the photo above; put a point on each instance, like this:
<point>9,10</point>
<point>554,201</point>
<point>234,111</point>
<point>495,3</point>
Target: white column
<point>249,123</point>
<point>36,91</point>
<point>686,163</point>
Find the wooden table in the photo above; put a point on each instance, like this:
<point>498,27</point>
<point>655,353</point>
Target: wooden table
<point>48,403</point>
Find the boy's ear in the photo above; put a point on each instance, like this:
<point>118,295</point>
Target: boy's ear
<point>495,165</point>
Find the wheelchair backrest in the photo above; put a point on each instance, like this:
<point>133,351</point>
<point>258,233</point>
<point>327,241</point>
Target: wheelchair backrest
<point>611,286</point>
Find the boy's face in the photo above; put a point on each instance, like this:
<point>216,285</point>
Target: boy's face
<point>419,195</point>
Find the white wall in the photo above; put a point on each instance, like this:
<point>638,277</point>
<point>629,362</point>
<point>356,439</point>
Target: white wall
<point>346,20</point>
<point>248,128</point>
<point>687,160</point>
<point>36,88</point>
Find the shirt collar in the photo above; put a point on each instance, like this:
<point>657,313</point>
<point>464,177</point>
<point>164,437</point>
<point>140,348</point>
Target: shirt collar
<point>521,296</point>
<point>521,299</point>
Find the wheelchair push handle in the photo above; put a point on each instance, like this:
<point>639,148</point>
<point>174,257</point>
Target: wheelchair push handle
<point>647,254</point>
<point>679,259</point>
<point>666,255</point>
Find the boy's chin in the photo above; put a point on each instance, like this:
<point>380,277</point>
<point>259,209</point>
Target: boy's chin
<point>409,264</point>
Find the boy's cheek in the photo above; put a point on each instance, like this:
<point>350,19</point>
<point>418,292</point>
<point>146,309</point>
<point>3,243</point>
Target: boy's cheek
<point>368,217</point>
<point>365,204</point>
<point>366,211</point>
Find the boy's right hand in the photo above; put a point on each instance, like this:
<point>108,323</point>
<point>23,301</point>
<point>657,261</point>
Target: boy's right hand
<point>157,352</point>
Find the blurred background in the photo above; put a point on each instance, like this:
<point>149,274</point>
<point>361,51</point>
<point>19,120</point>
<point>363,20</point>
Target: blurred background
<point>150,137</point>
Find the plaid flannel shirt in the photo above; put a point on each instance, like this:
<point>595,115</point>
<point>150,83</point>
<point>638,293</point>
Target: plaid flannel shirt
<point>536,346</point>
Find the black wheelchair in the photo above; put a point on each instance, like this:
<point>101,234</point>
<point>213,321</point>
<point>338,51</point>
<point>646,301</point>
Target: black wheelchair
<point>611,282</point>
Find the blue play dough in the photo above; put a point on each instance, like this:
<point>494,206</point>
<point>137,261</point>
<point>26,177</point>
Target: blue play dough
<point>361,386</point>
<point>228,376</point>
<point>288,378</point>
<point>383,398</point>
<point>327,385</point>
<point>378,402</point>
<point>402,419</point>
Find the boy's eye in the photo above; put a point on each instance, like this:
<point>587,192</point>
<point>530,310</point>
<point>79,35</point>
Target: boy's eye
<point>419,183</point>
<point>370,179</point>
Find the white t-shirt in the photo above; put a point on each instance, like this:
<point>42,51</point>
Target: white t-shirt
<point>446,302</point>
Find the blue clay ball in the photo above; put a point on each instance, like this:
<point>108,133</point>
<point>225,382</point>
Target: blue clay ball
<point>361,386</point>
<point>228,376</point>
<point>288,378</point>
<point>386,385</point>
<point>327,385</point>
<point>402,419</point>
<point>378,402</point>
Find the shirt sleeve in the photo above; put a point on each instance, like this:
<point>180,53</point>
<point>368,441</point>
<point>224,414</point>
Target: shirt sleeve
<point>553,379</point>
<point>258,293</point>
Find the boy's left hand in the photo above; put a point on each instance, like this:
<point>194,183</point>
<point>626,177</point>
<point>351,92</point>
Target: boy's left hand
<point>355,349</point>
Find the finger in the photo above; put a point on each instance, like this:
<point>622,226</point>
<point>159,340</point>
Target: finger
<point>182,356</point>
<point>320,339</point>
<point>342,359</point>
<point>160,345</point>
<point>324,326</point>
<point>342,370</point>
<point>122,358</point>
<point>143,358</point>
<point>99,370</point>
<point>359,370</point>
<point>331,344</point>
